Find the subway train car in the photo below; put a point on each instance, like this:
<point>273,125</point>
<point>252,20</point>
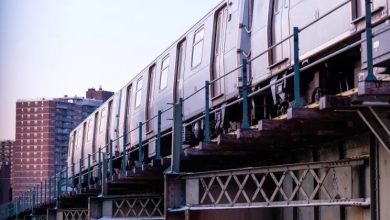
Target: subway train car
<point>235,30</point>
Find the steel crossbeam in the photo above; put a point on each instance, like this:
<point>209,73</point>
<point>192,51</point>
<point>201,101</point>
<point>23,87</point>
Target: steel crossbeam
<point>310,184</point>
<point>138,207</point>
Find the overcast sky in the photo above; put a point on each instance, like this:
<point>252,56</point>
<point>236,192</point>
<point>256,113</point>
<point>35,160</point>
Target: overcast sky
<point>54,48</point>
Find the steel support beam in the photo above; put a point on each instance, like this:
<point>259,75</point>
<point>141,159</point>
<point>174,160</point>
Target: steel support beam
<point>368,19</point>
<point>177,142</point>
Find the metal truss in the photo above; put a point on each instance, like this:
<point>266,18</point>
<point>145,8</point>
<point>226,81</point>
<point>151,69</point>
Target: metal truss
<point>377,119</point>
<point>138,207</point>
<point>311,184</point>
<point>75,214</point>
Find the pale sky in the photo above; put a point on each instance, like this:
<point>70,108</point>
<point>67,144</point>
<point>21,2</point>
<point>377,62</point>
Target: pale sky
<point>52,48</point>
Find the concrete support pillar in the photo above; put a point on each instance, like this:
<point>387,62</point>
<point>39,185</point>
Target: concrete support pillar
<point>51,214</point>
<point>59,215</point>
<point>95,208</point>
<point>174,195</point>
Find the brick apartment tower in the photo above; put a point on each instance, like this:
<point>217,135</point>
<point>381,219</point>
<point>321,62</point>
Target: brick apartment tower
<point>98,94</point>
<point>42,132</point>
<point>5,170</point>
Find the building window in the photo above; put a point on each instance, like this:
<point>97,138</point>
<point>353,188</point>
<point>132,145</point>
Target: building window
<point>138,92</point>
<point>197,48</point>
<point>164,73</point>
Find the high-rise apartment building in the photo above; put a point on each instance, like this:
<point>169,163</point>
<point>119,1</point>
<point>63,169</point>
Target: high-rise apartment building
<point>42,132</point>
<point>5,169</point>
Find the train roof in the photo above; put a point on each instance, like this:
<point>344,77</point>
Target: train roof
<point>154,60</point>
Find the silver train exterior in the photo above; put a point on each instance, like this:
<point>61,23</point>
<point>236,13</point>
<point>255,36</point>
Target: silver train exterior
<point>232,31</point>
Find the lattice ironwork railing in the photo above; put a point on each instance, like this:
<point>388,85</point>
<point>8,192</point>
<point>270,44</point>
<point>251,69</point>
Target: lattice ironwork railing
<point>75,214</point>
<point>138,207</point>
<point>311,184</point>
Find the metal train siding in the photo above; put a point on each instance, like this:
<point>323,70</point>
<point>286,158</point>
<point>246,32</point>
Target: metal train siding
<point>232,31</point>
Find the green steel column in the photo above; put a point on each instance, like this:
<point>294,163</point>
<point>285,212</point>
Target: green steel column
<point>207,112</point>
<point>89,171</point>
<point>54,186</point>
<point>245,118</point>
<point>297,77</point>
<point>49,188</point>
<point>66,180</point>
<point>370,68</point>
<point>73,177</point>
<point>100,165</point>
<point>139,164</point>
<point>124,154</point>
<point>111,160</point>
<point>17,205</point>
<point>37,195</point>
<point>177,143</point>
<point>41,193</point>
<point>33,200</point>
<point>81,175</point>
<point>59,190</point>
<point>22,204</point>
<point>45,192</point>
<point>158,140</point>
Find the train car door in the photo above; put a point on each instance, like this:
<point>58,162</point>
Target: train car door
<point>108,123</point>
<point>94,137</point>
<point>115,116</point>
<point>128,112</point>
<point>280,30</point>
<point>180,68</point>
<point>83,140</point>
<point>219,46</point>
<point>149,99</point>
<point>73,145</point>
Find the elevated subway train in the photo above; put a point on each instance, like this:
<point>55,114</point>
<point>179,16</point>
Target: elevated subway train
<point>235,30</point>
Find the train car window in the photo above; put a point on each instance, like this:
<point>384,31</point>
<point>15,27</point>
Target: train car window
<point>358,9</point>
<point>138,92</point>
<point>197,48</point>
<point>75,140</point>
<point>80,138</point>
<point>102,118</point>
<point>90,131</point>
<point>164,73</point>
